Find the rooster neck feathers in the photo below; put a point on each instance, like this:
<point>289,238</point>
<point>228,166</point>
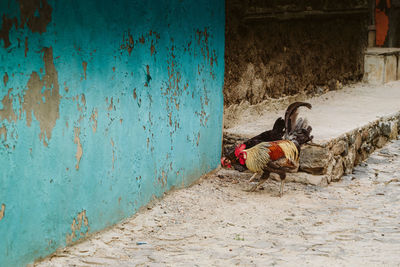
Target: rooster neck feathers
<point>275,151</point>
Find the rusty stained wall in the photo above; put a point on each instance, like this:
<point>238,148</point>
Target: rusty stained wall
<point>102,107</point>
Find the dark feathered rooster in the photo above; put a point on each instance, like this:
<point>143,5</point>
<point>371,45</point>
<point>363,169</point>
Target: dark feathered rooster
<point>280,156</point>
<point>276,133</point>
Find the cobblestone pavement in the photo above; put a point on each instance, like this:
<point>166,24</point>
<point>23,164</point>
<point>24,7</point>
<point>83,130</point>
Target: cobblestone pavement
<point>354,222</point>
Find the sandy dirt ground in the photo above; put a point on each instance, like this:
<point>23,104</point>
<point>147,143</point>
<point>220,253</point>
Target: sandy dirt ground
<point>354,222</point>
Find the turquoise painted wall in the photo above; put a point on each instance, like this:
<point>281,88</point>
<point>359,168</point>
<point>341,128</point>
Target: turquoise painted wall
<point>103,105</point>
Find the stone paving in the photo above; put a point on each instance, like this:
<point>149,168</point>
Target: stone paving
<point>354,222</point>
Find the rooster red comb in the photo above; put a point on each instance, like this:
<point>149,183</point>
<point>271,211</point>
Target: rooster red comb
<point>239,149</point>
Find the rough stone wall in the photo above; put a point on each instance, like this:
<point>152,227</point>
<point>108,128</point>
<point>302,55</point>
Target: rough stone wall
<point>324,162</point>
<point>103,106</point>
<point>280,48</point>
<point>328,162</point>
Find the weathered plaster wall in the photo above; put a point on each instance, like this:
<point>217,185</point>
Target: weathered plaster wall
<point>103,105</point>
<point>284,48</point>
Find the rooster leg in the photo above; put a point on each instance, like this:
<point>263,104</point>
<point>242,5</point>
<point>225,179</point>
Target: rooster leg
<point>282,176</point>
<point>263,178</point>
<point>252,177</point>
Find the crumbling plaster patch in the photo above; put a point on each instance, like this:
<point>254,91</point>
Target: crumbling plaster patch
<point>35,22</point>
<point>79,150</point>
<point>5,79</point>
<point>84,66</point>
<point>43,103</point>
<point>7,112</point>
<point>36,14</point>
<point>76,226</point>
<point>7,24</point>
<point>93,118</point>
<point>2,211</point>
<point>3,131</point>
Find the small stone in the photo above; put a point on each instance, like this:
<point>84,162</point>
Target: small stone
<point>358,141</point>
<point>365,134</point>
<point>372,134</point>
<point>306,178</point>
<point>386,128</point>
<point>339,147</point>
<point>366,147</point>
<point>349,159</point>
<point>394,132</point>
<point>363,164</point>
<point>338,170</point>
<point>381,141</point>
<point>314,159</point>
<point>352,138</point>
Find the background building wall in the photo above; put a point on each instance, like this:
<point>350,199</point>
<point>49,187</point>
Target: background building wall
<point>281,48</point>
<point>103,105</point>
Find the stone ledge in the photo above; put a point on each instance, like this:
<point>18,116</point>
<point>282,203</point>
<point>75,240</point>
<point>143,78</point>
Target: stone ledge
<point>331,160</point>
<point>348,125</point>
<point>382,51</point>
<point>381,65</point>
<point>326,162</point>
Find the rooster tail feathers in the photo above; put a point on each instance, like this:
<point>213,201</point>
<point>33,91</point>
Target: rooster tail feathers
<point>279,125</point>
<point>297,129</point>
<point>301,132</point>
<point>291,115</point>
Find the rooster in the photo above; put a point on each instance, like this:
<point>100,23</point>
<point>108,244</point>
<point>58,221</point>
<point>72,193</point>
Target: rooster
<point>276,133</point>
<point>280,156</point>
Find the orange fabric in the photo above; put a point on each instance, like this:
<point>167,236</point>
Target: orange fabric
<point>381,23</point>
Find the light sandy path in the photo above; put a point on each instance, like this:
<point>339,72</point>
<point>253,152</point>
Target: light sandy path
<point>355,222</point>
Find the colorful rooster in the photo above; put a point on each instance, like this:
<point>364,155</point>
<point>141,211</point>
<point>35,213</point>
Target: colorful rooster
<point>278,156</point>
<point>276,133</point>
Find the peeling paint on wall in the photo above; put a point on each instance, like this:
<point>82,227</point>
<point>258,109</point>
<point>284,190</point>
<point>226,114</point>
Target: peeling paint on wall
<point>84,65</point>
<point>134,94</point>
<point>26,46</point>
<point>79,227</point>
<point>2,211</point>
<point>5,79</point>
<point>152,48</point>
<point>6,26</point>
<point>93,119</point>
<point>148,77</point>
<point>7,112</point>
<point>44,104</point>
<point>79,151</point>
<point>113,153</point>
<point>133,90</point>
<point>36,14</point>
<point>128,42</point>
<point>3,132</point>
